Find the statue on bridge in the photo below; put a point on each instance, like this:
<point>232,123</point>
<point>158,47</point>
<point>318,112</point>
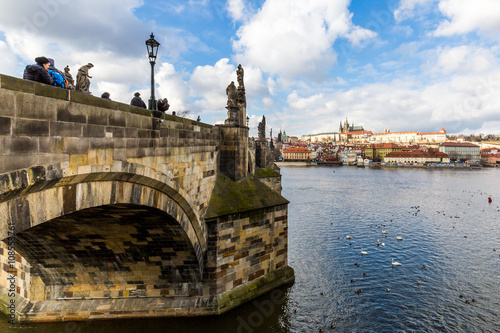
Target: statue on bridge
<point>262,130</point>
<point>236,100</point>
<point>239,74</point>
<point>232,96</point>
<point>69,77</point>
<point>82,79</point>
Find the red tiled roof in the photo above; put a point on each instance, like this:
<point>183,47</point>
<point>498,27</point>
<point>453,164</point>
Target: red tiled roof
<point>384,145</point>
<point>432,133</point>
<point>458,144</point>
<point>296,150</point>
<point>416,154</point>
<point>359,132</point>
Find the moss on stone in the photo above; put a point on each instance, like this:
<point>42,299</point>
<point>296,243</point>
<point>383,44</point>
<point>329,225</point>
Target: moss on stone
<point>82,98</point>
<point>12,83</point>
<point>239,295</point>
<point>51,91</point>
<point>229,197</point>
<point>266,173</point>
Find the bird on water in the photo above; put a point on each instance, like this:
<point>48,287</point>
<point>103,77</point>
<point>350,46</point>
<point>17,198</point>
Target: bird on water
<point>395,263</point>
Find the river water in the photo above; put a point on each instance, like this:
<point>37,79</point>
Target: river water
<point>448,281</point>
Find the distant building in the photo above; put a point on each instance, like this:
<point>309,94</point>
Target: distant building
<point>282,137</point>
<point>349,157</point>
<point>417,157</point>
<point>490,156</point>
<point>349,133</point>
<point>296,154</point>
<point>461,151</point>
<point>431,137</point>
<point>409,137</point>
<point>396,137</point>
<point>378,151</point>
<point>322,137</point>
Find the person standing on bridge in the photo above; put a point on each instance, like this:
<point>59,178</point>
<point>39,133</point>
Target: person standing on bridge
<point>137,101</point>
<point>39,72</point>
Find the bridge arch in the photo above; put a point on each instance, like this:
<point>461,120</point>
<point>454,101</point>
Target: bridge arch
<point>40,194</point>
<point>117,250</point>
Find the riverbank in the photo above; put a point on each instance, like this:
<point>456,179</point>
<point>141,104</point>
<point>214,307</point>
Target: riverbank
<point>383,165</point>
<point>429,166</point>
<point>281,163</point>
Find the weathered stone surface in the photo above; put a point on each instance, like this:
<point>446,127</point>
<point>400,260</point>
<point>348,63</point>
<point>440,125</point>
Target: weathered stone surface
<point>11,83</point>
<point>22,145</point>
<point>30,127</point>
<point>7,103</point>
<point>65,129</point>
<point>72,112</point>
<point>5,126</point>
<point>35,107</point>
<point>51,91</point>
<point>94,131</point>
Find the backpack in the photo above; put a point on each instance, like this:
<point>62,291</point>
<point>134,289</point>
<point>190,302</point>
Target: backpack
<point>59,79</point>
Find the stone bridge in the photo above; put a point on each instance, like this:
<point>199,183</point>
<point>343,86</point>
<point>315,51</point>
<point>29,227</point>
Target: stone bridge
<point>108,212</point>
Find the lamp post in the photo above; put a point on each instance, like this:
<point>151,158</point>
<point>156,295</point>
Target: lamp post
<point>152,46</point>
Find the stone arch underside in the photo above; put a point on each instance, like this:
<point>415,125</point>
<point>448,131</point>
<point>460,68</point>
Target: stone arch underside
<point>118,250</point>
<point>26,207</point>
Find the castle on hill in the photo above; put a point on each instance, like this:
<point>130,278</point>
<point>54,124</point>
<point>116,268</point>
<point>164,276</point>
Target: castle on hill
<point>351,134</point>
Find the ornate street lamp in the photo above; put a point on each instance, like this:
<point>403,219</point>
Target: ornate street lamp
<point>152,46</point>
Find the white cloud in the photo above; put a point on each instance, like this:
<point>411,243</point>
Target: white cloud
<point>172,86</point>
<point>236,9</point>
<point>466,59</point>
<point>8,65</point>
<point>466,16</point>
<point>293,38</point>
<point>210,83</point>
<point>407,9</point>
<point>444,63</point>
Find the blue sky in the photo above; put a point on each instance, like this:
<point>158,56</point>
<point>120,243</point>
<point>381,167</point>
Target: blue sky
<point>400,64</point>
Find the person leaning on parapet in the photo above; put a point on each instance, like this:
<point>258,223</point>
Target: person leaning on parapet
<point>137,101</point>
<point>39,72</point>
<point>163,105</point>
<point>105,95</point>
<point>58,76</point>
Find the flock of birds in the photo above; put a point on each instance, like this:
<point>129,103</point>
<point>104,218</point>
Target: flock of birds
<point>379,243</point>
<point>414,212</point>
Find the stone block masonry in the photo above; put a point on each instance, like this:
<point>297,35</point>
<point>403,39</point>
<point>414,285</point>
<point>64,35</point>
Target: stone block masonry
<point>118,215</point>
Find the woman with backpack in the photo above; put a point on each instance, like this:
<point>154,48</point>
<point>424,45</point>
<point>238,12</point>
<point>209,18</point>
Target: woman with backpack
<point>39,72</point>
<point>58,76</point>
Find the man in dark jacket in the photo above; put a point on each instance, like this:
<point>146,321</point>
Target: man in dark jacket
<point>137,101</point>
<point>39,72</point>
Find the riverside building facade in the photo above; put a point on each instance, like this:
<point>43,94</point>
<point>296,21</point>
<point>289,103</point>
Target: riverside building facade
<point>461,151</point>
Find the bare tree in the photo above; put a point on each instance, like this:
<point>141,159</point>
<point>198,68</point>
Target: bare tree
<point>183,113</point>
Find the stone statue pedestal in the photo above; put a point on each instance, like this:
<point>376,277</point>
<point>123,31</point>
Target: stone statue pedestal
<point>261,150</point>
<point>232,116</point>
<point>233,151</point>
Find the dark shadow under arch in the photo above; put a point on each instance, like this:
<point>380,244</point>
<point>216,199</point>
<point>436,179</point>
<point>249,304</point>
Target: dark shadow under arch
<point>129,249</point>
